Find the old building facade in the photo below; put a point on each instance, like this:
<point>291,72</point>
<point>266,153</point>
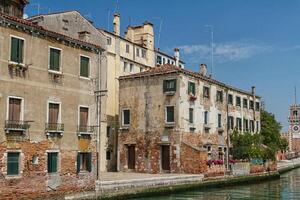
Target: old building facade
<point>175,120</point>
<point>49,112</point>
<point>293,135</point>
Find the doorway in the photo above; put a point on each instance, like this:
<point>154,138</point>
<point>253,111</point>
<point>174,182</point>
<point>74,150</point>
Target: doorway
<point>131,157</point>
<point>165,157</point>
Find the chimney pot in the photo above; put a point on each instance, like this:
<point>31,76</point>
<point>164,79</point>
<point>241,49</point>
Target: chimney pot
<point>116,23</point>
<point>203,69</point>
<point>176,56</point>
<point>253,90</point>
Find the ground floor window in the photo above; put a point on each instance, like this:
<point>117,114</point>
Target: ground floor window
<point>84,162</point>
<point>13,163</point>
<point>52,162</point>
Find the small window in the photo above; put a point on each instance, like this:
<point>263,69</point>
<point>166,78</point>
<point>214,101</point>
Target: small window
<point>170,114</point>
<point>219,120</point>
<point>137,52</point>
<point>108,155</point>
<point>84,162</point>
<point>144,53</point>
<point>108,41</point>
<point>206,92</point>
<point>125,67</point>
<point>13,163</point>
<point>191,115</point>
<point>220,96</point>
<point>257,106</point>
<point>127,48</point>
<point>163,61</point>
<point>191,88</point>
<point>238,101</point>
<point>239,124</point>
<point>14,110</point>
<point>158,60</point>
<point>252,128</point>
<point>230,99</point>
<point>108,129</point>
<point>84,66</point>
<point>126,117</point>
<point>245,125</point>
<point>52,162</point>
<point>245,103</point>
<point>17,50</point>
<point>295,113</point>
<point>230,122</point>
<point>54,59</point>
<point>206,117</point>
<point>131,68</point>
<point>169,85</point>
<point>251,106</point>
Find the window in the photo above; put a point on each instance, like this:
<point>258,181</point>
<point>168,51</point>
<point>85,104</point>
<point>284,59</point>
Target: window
<point>206,117</point>
<point>169,85</point>
<point>143,53</point>
<point>168,61</point>
<point>170,114</point>
<point>131,68</point>
<point>295,113</point>
<point>230,122</point>
<point>127,48</point>
<point>191,88</point>
<point>83,119</point>
<point>14,109</point>
<point>219,120</point>
<point>252,128</point>
<point>191,115</point>
<point>257,126</point>
<point>54,59</point>
<point>245,103</point>
<point>125,67</point>
<point>219,96</point>
<point>158,60</point>
<point>108,131</point>
<point>53,113</point>
<point>17,49</point>
<point>108,155</point>
<point>230,99</point>
<point>163,61</point>
<point>238,101</point>
<point>84,66</point>
<point>239,124</point>
<point>251,105</point>
<point>84,162</point>
<point>108,40</point>
<point>257,106</point>
<point>206,92</point>
<point>245,125</point>
<point>126,117</point>
<point>137,52</point>
<point>13,163</point>
<point>52,162</point>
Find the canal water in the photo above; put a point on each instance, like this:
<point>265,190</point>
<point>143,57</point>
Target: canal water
<point>287,187</point>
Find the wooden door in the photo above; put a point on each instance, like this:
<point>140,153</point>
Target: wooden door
<point>14,110</point>
<point>83,121</point>
<point>165,157</point>
<point>53,113</point>
<point>131,157</point>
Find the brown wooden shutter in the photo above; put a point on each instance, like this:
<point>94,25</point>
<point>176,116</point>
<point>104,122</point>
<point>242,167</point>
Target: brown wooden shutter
<point>14,109</point>
<point>84,114</point>
<point>53,113</point>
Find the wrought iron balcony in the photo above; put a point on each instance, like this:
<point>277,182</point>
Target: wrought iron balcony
<point>16,125</point>
<point>85,129</point>
<point>54,128</point>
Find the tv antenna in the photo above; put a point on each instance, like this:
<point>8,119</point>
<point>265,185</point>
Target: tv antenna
<point>295,93</point>
<point>211,29</point>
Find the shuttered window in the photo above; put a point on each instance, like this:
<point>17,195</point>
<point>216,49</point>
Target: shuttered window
<point>83,118</point>
<point>238,101</point>
<point>52,162</point>
<point>84,162</point>
<point>205,92</point>
<point>13,163</point>
<point>230,122</point>
<point>53,113</point>
<point>230,99</point>
<point>84,66</point>
<point>219,96</point>
<point>126,117</point>
<point>14,112</point>
<point>169,85</point>
<point>54,59</point>
<point>191,115</point>
<point>219,120</point>
<point>245,103</point>
<point>17,48</point>
<point>170,114</point>
<point>191,88</point>
<point>206,117</point>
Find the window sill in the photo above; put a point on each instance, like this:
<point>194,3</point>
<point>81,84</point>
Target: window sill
<point>169,93</point>
<point>125,127</point>
<point>13,176</point>
<point>169,124</point>
<point>85,78</point>
<point>15,63</point>
<point>54,72</point>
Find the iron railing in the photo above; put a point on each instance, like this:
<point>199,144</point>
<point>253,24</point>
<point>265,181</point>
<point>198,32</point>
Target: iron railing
<point>85,129</point>
<point>16,125</point>
<point>54,127</point>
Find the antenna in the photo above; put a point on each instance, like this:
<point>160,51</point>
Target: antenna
<point>117,7</point>
<point>295,95</point>
<point>108,20</point>
<point>211,29</point>
<point>159,30</point>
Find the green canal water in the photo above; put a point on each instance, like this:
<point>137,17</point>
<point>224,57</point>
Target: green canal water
<point>287,187</point>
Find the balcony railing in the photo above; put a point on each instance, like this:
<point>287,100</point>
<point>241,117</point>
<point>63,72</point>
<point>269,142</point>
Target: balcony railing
<point>54,127</point>
<point>16,125</point>
<point>85,129</point>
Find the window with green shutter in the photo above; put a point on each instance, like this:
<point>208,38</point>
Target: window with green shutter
<point>170,114</point>
<point>191,115</point>
<point>54,59</point>
<point>17,48</point>
<point>84,66</point>
<point>84,162</point>
<point>13,163</point>
<point>126,117</point>
<point>52,162</point>
<point>191,88</point>
<point>169,85</point>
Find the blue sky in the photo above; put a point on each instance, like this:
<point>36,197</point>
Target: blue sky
<point>257,42</point>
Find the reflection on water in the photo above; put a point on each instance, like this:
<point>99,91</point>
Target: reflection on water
<point>287,187</point>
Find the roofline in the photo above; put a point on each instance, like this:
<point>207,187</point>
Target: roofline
<point>54,13</point>
<point>165,54</point>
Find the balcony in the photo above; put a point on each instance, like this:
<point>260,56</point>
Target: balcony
<point>21,126</point>
<point>85,130</point>
<point>54,128</point>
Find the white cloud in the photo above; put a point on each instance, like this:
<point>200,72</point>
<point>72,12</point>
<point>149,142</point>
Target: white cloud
<point>223,52</point>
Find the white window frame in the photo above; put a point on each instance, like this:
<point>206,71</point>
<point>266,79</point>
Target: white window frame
<point>58,160</point>
<point>166,114</point>
<point>20,171</point>
<point>24,52</point>
<point>123,117</point>
<point>59,113</point>
<point>22,107</point>
<point>60,60</point>
<point>127,45</point>
<point>131,66</point>
<point>78,114</point>
<point>89,72</point>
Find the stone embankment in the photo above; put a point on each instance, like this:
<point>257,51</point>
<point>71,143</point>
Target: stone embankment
<point>286,165</point>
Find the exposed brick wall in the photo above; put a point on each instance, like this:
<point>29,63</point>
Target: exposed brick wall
<point>296,145</point>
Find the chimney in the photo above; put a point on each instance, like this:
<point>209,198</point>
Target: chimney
<point>253,90</point>
<point>203,69</point>
<point>176,56</point>
<point>116,23</point>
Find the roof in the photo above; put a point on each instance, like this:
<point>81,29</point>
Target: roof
<point>28,24</point>
<point>54,13</point>
<point>170,69</point>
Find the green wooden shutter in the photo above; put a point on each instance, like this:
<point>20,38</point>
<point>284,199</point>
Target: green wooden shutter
<point>174,84</point>
<point>54,59</point>
<point>165,86</point>
<point>20,51</point>
<point>84,66</point>
<point>89,162</point>
<point>12,163</point>
<point>52,162</point>
<point>14,50</point>
<point>78,163</point>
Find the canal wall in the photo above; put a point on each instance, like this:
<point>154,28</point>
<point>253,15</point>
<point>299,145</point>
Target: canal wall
<point>287,165</point>
<point>126,189</point>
